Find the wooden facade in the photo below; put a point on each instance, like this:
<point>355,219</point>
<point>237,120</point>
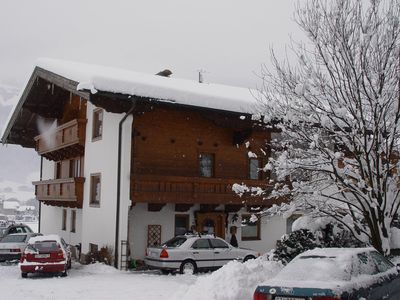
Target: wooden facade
<point>166,146</point>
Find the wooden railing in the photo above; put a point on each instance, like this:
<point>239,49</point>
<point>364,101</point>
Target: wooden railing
<point>60,192</point>
<point>173,189</point>
<point>66,141</point>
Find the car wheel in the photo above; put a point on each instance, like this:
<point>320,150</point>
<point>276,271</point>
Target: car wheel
<point>248,257</point>
<point>188,267</point>
<point>24,275</point>
<point>65,273</point>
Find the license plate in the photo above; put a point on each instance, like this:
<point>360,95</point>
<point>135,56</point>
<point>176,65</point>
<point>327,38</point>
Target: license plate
<point>153,254</point>
<point>288,298</point>
<point>42,255</point>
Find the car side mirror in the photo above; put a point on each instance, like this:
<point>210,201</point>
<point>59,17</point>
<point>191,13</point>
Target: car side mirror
<point>398,268</point>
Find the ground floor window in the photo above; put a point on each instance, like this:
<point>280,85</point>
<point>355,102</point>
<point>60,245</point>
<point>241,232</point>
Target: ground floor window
<point>181,224</point>
<point>95,187</point>
<point>73,221</point>
<point>250,228</point>
<point>64,220</point>
<point>93,248</point>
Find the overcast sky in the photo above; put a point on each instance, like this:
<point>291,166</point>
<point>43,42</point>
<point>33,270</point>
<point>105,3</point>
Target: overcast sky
<point>229,39</point>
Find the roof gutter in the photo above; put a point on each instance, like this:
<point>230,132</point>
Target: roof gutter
<point>119,183</point>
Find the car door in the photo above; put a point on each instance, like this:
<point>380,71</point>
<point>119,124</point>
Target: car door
<point>388,286</point>
<point>202,253</point>
<point>222,252</point>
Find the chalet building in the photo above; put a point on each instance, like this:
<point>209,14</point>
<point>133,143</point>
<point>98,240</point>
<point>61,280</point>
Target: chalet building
<point>130,160</point>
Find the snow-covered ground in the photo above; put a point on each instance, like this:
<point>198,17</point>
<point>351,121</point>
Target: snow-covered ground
<point>234,281</point>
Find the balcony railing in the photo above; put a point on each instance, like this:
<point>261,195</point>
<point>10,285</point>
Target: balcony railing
<point>173,189</point>
<point>61,192</point>
<point>66,141</point>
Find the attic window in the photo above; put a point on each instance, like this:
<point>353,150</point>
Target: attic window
<point>97,124</point>
<point>206,162</point>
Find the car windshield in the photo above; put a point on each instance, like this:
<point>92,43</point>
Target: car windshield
<point>46,246</point>
<point>174,242</point>
<point>14,238</point>
<point>317,268</point>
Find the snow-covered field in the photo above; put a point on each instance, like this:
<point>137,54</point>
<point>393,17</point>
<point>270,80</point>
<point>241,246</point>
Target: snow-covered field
<point>234,281</point>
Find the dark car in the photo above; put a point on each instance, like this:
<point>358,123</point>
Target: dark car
<point>12,245</point>
<point>334,273</point>
<point>15,228</point>
<point>46,254</point>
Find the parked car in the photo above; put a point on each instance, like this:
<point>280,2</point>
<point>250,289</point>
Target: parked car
<point>190,253</point>
<point>15,228</point>
<point>334,273</point>
<point>46,254</point>
<point>12,245</point>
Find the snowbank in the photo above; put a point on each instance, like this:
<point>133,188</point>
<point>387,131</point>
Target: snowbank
<point>234,281</point>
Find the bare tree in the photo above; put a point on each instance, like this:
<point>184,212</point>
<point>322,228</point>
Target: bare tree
<point>339,111</point>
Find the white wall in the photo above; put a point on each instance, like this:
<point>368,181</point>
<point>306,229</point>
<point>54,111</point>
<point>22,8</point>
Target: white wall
<point>271,230</point>
<point>140,218</point>
<point>101,156</point>
<point>51,216</point>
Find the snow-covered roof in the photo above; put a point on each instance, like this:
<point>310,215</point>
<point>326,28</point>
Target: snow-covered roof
<point>181,91</point>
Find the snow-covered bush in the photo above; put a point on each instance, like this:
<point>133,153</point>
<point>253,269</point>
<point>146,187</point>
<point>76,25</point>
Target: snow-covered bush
<point>104,255</point>
<point>298,241</point>
<point>293,244</point>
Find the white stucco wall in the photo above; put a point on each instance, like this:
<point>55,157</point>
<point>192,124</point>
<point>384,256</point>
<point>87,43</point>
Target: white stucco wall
<point>98,225</point>
<point>51,216</point>
<point>140,218</point>
<point>271,230</point>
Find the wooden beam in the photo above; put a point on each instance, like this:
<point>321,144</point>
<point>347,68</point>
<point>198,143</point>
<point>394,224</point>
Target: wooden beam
<point>155,206</point>
<point>231,208</point>
<point>182,207</point>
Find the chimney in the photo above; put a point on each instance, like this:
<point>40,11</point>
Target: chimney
<point>165,73</point>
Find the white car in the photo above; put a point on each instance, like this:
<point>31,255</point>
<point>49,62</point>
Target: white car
<point>190,253</point>
<point>12,245</point>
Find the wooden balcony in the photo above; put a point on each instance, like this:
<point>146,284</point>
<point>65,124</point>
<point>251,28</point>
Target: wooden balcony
<point>67,192</point>
<point>190,190</point>
<point>66,141</point>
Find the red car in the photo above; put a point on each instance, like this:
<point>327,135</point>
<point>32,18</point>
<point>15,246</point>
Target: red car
<point>45,254</point>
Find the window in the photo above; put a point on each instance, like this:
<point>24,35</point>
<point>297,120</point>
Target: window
<point>64,220</point>
<point>206,164</point>
<point>254,168</point>
<point>58,170</point>
<point>250,228</point>
<point>181,224</point>
<point>216,243</point>
<point>73,221</point>
<point>97,124</point>
<point>201,244</point>
<point>95,186</point>
<point>93,248</point>
<point>381,262</point>
<point>75,167</point>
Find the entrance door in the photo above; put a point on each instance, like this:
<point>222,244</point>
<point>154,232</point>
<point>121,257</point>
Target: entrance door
<point>212,223</point>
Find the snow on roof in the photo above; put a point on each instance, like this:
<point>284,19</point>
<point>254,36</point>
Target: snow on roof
<point>44,238</point>
<point>181,91</point>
